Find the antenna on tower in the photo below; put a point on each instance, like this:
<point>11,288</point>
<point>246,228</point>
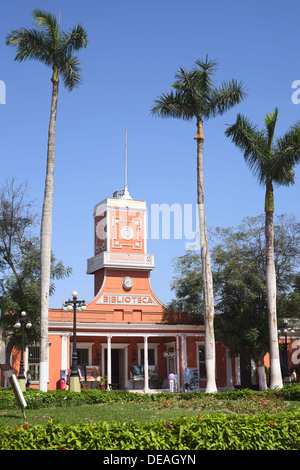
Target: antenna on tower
<point>126,194</point>
<point>125,189</point>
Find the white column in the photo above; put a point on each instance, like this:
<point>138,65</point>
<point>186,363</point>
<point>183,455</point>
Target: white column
<point>64,353</point>
<point>109,359</point>
<point>183,359</point>
<point>229,381</point>
<point>146,375</point>
<point>178,364</point>
<point>237,371</point>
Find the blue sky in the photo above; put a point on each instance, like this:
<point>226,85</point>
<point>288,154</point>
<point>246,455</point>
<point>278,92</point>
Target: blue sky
<point>135,48</point>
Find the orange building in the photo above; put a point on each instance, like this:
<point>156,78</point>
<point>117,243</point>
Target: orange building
<point>125,333</point>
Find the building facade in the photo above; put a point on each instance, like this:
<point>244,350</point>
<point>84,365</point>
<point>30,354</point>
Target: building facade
<point>126,334</point>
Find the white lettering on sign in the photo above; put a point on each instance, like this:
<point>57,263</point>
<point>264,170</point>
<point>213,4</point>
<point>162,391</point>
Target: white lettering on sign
<point>126,299</point>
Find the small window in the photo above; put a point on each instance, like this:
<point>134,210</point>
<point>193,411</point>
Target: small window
<point>34,361</point>
<point>202,368</point>
<point>151,357</point>
<point>83,357</point>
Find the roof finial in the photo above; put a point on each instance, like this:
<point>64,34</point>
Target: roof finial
<point>126,193</point>
<point>125,189</point>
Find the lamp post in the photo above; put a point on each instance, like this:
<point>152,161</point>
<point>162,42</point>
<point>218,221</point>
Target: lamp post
<point>285,365</point>
<point>21,323</point>
<point>76,306</point>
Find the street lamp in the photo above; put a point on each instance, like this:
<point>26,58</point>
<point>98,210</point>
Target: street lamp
<point>285,368</point>
<point>21,323</point>
<point>79,306</point>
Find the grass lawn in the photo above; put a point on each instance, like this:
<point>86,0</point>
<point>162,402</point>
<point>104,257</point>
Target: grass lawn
<point>141,412</point>
<point>91,413</point>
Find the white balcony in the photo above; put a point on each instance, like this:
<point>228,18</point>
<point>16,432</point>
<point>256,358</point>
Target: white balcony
<point>120,260</point>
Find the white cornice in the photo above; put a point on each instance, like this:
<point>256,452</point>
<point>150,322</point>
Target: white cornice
<point>131,329</point>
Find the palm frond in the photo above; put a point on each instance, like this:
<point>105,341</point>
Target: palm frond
<point>71,72</point>
<point>196,96</point>
<point>46,21</point>
<point>75,40</point>
<point>270,123</point>
<point>285,156</point>
<point>51,46</point>
<point>225,97</point>
<point>252,143</point>
<point>194,88</point>
<point>30,44</point>
<point>207,66</point>
<point>171,105</point>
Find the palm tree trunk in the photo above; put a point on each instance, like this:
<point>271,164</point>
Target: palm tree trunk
<point>207,281</point>
<point>275,371</point>
<point>46,236</point>
<point>261,371</point>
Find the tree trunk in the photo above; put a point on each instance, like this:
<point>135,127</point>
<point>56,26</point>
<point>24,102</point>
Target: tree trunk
<point>46,236</point>
<point>261,371</point>
<point>275,371</point>
<point>207,281</point>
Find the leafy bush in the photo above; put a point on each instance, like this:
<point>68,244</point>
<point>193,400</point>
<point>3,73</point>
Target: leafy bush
<point>37,399</point>
<point>291,392</point>
<point>218,432</point>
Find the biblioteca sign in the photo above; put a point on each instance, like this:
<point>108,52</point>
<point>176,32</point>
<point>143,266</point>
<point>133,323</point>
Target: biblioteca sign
<point>126,299</point>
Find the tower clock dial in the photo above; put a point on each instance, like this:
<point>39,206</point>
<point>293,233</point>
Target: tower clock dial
<point>126,233</point>
<point>127,282</point>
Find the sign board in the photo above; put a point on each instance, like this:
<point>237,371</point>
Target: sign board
<point>92,373</point>
<point>170,354</point>
<point>9,375</point>
<point>137,372</point>
<point>128,299</point>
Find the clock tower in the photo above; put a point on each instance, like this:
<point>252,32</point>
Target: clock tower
<point>121,265</point>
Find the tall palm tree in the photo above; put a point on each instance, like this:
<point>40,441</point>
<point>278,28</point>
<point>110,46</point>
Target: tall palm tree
<point>54,48</point>
<point>196,96</point>
<point>272,161</point>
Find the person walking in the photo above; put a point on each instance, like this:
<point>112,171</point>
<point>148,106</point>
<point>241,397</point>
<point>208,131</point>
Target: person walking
<point>171,382</point>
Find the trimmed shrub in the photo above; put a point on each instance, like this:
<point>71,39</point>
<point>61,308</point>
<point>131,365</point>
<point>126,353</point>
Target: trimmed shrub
<point>219,432</point>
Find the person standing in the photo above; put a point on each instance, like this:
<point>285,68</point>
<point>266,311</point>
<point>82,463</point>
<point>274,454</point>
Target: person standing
<point>171,382</point>
<point>28,379</point>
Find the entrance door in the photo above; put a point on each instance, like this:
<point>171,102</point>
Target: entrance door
<point>117,367</point>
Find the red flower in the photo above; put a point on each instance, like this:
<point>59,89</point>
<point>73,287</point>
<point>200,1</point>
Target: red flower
<point>25,427</point>
<point>63,448</point>
<point>16,429</point>
<point>166,403</point>
<point>198,416</point>
<point>271,424</point>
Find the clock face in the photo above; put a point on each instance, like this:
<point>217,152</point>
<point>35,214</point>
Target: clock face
<point>127,282</point>
<point>127,233</point>
<point>101,229</point>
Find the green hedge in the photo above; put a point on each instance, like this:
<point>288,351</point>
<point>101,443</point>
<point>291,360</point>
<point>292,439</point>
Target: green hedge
<point>37,399</point>
<point>219,432</point>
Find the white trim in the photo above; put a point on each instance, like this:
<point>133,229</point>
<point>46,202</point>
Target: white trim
<point>64,360</point>
<point>142,328</point>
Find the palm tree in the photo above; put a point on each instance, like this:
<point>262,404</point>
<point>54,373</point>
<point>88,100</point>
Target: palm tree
<point>196,96</point>
<point>54,48</point>
<point>272,161</point>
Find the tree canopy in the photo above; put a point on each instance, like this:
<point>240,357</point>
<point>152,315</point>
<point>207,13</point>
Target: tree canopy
<point>238,265</point>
